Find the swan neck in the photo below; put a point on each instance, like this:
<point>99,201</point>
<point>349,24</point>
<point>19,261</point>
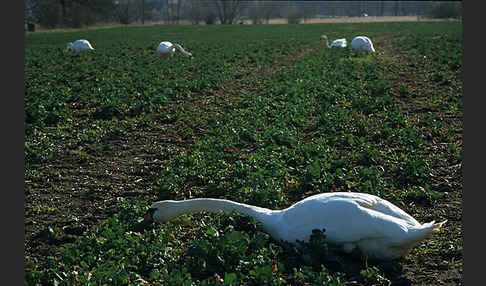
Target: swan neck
<point>327,43</point>
<point>180,49</point>
<point>216,205</point>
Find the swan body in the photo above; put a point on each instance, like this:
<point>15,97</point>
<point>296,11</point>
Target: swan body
<point>342,43</point>
<point>166,49</point>
<point>362,43</point>
<point>375,226</point>
<point>79,45</point>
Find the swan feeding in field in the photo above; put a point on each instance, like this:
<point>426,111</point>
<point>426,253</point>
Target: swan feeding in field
<point>79,45</point>
<point>336,43</point>
<point>362,43</point>
<point>166,49</point>
<point>375,226</point>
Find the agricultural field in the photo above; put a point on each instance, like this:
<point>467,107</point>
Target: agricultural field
<point>264,115</point>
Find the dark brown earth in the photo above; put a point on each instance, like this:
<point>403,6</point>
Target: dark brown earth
<point>84,189</point>
<point>444,264</point>
<point>77,191</point>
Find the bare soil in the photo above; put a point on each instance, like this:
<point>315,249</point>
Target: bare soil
<point>442,263</point>
<point>77,193</point>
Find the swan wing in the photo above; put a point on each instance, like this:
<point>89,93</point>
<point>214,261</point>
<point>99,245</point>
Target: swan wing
<point>345,218</point>
<point>374,203</point>
<point>385,207</point>
<point>82,44</point>
<point>359,41</point>
<point>88,45</point>
<point>362,42</point>
<point>339,43</point>
<point>165,44</point>
<point>165,47</point>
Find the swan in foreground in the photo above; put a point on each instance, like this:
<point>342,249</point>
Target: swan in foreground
<point>362,43</point>
<point>336,43</point>
<point>79,45</point>
<point>375,226</point>
<point>166,49</point>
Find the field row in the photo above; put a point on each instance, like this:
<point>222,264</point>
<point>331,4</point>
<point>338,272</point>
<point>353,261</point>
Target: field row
<point>265,118</point>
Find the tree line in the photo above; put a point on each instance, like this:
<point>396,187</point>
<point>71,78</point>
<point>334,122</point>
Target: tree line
<point>79,13</point>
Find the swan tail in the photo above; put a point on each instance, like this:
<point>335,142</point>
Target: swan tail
<point>426,230</point>
<point>435,227</point>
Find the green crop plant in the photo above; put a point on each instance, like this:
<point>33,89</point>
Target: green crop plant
<point>264,115</point>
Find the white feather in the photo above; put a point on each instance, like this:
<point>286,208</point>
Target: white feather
<point>362,43</point>
<point>375,226</point>
<point>342,43</point>
<point>79,45</point>
<point>166,49</point>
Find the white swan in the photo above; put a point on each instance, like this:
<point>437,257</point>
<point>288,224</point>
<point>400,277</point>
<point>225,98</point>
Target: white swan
<point>362,43</point>
<point>79,45</point>
<point>166,49</point>
<point>375,226</point>
<point>342,43</point>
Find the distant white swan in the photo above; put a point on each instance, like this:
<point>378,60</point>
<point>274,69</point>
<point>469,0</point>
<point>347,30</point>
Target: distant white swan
<point>362,43</point>
<point>375,226</point>
<point>79,45</point>
<point>166,49</point>
<point>342,43</point>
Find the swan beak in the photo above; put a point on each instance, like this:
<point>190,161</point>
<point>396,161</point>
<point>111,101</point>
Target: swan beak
<point>149,216</point>
<point>147,220</point>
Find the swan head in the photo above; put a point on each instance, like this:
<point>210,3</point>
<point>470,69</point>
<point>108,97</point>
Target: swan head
<point>323,37</point>
<point>160,211</point>
<point>69,46</point>
<point>184,52</point>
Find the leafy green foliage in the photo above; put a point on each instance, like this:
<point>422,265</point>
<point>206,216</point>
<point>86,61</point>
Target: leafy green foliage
<point>372,276</point>
<point>265,118</point>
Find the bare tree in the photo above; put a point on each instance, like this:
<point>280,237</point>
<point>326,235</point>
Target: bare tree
<point>332,9</point>
<point>123,11</point>
<point>255,12</point>
<point>173,11</point>
<point>396,8</point>
<point>307,12</point>
<point>445,10</point>
<point>228,10</point>
<point>143,11</point>
<point>49,14</point>
<point>208,15</point>
<point>31,10</point>
<point>270,11</point>
<point>193,12</point>
<point>293,14</point>
<point>262,11</point>
<point>71,13</point>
